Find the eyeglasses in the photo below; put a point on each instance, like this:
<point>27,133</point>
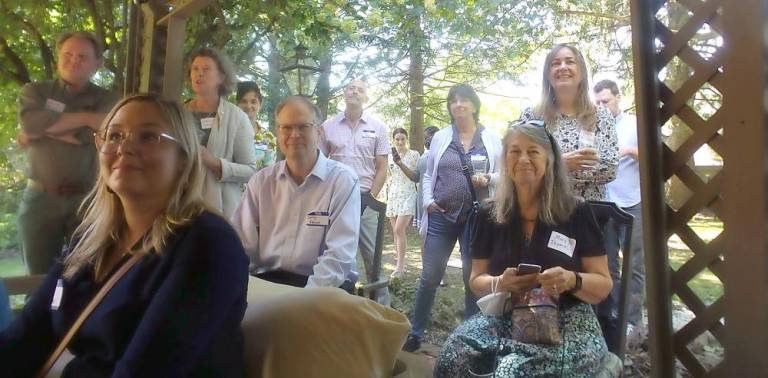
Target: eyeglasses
<point>302,128</point>
<point>108,141</point>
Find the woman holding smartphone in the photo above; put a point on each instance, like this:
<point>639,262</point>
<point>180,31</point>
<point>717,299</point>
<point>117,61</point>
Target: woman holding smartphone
<point>401,193</point>
<point>533,221</point>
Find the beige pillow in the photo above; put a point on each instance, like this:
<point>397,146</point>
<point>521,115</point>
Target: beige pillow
<point>318,332</point>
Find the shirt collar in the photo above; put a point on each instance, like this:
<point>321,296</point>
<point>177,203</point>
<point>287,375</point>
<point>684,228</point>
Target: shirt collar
<point>320,170</point>
<point>363,117</point>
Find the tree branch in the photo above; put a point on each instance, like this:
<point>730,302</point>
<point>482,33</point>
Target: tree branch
<point>22,74</point>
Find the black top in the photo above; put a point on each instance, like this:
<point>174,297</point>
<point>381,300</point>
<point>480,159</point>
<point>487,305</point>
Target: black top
<point>505,245</point>
<point>176,314</point>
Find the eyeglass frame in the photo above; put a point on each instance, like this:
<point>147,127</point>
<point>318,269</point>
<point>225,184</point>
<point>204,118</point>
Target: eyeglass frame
<point>311,125</point>
<point>127,135</point>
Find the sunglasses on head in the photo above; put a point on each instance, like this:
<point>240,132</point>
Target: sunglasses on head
<point>532,122</point>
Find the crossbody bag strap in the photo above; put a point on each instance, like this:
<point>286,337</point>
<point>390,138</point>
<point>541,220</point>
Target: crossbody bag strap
<point>465,170</point>
<point>87,312</point>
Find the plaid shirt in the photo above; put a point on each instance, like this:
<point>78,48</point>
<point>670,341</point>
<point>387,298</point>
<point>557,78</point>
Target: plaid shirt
<point>356,145</point>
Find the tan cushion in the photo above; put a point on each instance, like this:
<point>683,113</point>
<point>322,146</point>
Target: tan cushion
<point>318,332</point>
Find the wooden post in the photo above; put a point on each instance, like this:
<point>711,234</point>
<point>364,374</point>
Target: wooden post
<point>746,210</point>
<point>659,302</point>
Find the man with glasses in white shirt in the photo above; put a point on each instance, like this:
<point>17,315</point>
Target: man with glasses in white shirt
<point>299,219</point>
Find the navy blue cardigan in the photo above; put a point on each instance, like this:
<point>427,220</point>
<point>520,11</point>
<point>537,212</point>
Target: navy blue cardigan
<point>176,314</point>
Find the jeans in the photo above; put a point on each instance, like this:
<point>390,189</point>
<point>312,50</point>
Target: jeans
<point>439,242</point>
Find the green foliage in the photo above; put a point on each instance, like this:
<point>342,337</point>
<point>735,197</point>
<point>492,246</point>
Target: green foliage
<point>481,42</point>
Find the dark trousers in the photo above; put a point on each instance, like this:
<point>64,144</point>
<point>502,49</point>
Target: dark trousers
<point>297,280</point>
<point>608,309</point>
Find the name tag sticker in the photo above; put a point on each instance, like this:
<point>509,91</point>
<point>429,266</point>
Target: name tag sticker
<point>318,218</point>
<point>207,123</point>
<point>562,243</point>
<point>53,105</point>
<point>57,294</point>
<point>369,133</point>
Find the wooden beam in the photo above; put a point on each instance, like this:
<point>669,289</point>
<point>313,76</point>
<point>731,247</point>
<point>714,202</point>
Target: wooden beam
<point>661,342</point>
<point>745,190</point>
<point>183,10</point>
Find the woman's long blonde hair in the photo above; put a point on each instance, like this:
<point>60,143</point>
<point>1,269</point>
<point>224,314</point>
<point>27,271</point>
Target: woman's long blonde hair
<point>103,218</point>
<point>547,108</point>
<point>556,203</point>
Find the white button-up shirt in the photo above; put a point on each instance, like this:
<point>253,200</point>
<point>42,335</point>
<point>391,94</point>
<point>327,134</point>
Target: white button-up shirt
<point>309,229</point>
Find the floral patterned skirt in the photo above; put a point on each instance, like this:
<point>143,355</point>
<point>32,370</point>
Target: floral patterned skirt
<point>470,350</point>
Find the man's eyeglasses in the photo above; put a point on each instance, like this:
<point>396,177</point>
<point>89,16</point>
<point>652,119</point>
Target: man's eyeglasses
<point>302,128</point>
<point>108,141</point>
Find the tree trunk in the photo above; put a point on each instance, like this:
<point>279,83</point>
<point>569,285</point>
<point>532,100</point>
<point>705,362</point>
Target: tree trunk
<point>273,81</point>
<point>416,86</point>
<point>323,82</point>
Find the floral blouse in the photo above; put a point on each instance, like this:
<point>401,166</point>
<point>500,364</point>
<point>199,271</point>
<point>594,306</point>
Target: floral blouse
<point>589,183</point>
<point>264,144</point>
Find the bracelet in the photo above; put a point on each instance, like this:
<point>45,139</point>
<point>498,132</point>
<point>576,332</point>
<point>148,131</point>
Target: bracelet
<point>577,286</point>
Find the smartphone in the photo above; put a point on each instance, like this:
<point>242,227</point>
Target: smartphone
<point>395,155</point>
<point>523,269</point>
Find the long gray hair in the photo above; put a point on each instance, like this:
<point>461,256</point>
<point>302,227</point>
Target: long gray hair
<point>556,203</point>
<point>547,108</point>
<point>103,217</point>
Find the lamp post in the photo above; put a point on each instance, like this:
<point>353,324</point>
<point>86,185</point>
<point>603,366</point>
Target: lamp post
<point>304,67</point>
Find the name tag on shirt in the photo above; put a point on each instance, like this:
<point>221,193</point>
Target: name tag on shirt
<point>318,218</point>
<point>207,123</point>
<point>57,294</point>
<point>562,243</point>
<point>53,105</point>
<point>369,133</point>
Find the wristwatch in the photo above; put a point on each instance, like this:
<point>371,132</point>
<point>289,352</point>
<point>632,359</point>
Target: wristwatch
<point>577,286</point>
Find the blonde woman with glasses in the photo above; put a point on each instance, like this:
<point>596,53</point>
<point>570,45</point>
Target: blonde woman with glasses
<point>181,273</point>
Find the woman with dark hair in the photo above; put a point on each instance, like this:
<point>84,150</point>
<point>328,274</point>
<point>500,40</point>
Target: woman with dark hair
<point>249,99</point>
<point>587,136</point>
<point>533,219</point>
<point>182,274</point>
<point>401,193</point>
<point>224,130</point>
<point>462,167</point>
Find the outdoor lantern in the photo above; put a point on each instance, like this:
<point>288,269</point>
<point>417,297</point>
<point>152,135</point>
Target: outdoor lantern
<point>304,69</point>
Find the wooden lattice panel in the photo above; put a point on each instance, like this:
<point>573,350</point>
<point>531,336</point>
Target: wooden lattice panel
<point>690,49</point>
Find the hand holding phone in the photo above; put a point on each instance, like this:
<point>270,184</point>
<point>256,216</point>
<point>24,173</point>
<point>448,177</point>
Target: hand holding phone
<point>395,155</point>
<point>523,269</point>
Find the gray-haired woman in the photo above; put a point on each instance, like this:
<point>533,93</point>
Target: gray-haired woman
<point>533,219</point>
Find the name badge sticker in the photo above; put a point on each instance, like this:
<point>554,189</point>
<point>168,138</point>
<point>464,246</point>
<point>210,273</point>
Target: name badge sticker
<point>207,123</point>
<point>56,106</point>
<point>369,133</point>
<point>57,294</point>
<point>562,243</point>
<point>318,218</point>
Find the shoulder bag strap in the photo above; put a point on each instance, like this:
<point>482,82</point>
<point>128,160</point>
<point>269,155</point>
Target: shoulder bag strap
<point>87,312</point>
<point>465,169</point>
